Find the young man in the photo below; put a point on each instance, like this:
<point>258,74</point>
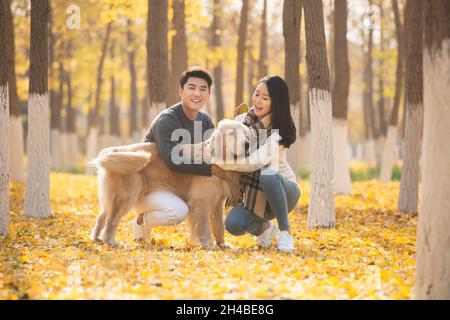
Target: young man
<point>164,208</point>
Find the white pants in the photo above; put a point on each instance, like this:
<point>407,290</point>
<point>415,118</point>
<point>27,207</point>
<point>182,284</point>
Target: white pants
<point>162,208</point>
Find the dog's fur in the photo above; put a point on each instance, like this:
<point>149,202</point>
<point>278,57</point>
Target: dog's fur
<point>128,173</point>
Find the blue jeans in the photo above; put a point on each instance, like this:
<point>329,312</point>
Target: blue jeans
<point>282,196</point>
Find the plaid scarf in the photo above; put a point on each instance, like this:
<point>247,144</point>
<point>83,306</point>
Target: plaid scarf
<point>252,196</point>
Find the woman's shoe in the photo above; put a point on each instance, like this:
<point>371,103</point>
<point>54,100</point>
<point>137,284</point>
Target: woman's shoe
<point>285,242</point>
<point>265,238</point>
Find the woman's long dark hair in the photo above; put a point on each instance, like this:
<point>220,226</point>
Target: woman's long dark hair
<point>280,109</point>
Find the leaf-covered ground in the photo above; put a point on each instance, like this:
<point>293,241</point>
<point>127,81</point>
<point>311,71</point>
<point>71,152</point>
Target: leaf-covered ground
<point>369,255</point>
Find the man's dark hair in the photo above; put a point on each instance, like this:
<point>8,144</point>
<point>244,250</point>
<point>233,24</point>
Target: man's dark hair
<point>196,72</point>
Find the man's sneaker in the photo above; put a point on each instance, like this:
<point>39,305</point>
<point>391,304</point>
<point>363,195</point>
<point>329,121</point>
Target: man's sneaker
<point>285,242</point>
<point>141,231</point>
<point>265,238</point>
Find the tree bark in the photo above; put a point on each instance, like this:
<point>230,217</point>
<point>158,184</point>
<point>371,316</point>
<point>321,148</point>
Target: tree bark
<point>114,124</point>
<point>4,122</point>
<point>37,198</point>
<point>216,45</point>
<point>239,98</point>
<point>16,142</point>
<point>70,116</point>
<point>179,52</point>
<point>433,241</point>
<point>93,133</point>
<point>157,57</point>
<point>409,186</point>
<point>343,184</point>
<point>133,132</point>
<point>292,14</point>
<point>321,208</point>
<point>381,98</point>
<point>387,162</point>
<point>262,62</point>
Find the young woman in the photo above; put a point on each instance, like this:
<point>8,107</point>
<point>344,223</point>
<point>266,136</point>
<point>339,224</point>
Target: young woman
<point>269,185</point>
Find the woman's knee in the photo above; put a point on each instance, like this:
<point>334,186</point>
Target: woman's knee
<point>234,225</point>
<point>269,179</point>
<point>293,200</point>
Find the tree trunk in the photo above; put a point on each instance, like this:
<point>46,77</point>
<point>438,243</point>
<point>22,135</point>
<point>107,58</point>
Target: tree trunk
<point>56,96</point>
<point>114,124</point>
<point>4,123</point>
<point>381,103</point>
<point>433,241</point>
<point>134,132</point>
<point>157,57</point>
<point>262,63</point>
<point>16,145</point>
<point>409,186</point>
<point>252,66</point>
<point>145,114</point>
<point>239,98</point>
<point>343,184</point>
<point>321,208</point>
<point>371,146</point>
<point>381,99</point>
<point>93,134</point>
<point>55,122</point>
<point>37,198</point>
<point>216,45</point>
<point>387,162</point>
<point>179,52</point>
<point>292,15</point>
<point>70,117</point>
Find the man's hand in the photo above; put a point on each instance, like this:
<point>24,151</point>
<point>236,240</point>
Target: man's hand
<point>217,171</point>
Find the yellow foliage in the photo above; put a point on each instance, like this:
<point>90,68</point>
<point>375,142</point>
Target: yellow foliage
<point>369,255</point>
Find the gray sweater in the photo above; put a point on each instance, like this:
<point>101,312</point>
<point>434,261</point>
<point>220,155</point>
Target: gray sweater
<point>161,131</point>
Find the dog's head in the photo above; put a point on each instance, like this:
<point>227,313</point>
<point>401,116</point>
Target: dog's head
<point>230,141</point>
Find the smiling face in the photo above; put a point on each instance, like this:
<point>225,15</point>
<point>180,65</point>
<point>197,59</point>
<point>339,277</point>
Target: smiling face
<point>195,93</point>
<point>261,100</point>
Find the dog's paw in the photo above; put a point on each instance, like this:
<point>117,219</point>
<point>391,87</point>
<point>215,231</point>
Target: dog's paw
<point>210,246</point>
<point>225,246</point>
<point>114,244</point>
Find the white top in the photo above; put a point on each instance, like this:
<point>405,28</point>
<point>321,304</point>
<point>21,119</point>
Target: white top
<point>270,154</point>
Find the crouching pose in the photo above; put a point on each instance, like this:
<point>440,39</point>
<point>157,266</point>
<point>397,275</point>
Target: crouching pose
<point>269,185</point>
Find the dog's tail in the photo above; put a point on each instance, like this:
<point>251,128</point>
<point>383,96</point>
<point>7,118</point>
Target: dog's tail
<point>122,162</point>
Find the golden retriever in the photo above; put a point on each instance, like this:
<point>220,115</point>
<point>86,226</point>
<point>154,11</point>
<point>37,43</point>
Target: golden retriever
<point>127,173</point>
